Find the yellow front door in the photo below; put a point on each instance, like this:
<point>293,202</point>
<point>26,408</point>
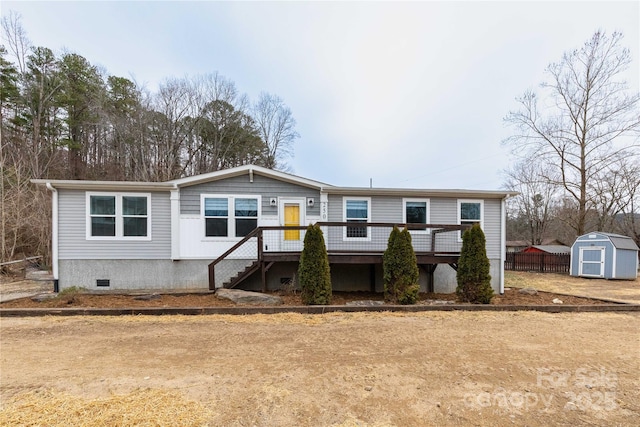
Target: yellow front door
<point>292,218</point>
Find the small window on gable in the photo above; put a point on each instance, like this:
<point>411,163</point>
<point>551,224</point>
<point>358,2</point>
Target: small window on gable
<point>357,211</point>
<point>416,211</point>
<point>470,212</point>
<point>118,216</point>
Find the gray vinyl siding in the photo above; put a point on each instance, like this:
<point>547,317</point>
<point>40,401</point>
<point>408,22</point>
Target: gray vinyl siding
<point>492,227</point>
<point>72,231</point>
<point>261,185</point>
<point>383,209</point>
<point>442,211</point>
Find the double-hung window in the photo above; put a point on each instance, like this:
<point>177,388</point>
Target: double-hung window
<point>118,216</point>
<point>246,214</point>
<point>357,210</point>
<point>416,211</point>
<point>230,216</point>
<point>470,212</point>
<point>216,217</point>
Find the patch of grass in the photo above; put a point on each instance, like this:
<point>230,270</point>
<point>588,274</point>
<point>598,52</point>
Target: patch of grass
<point>513,280</point>
<point>69,295</point>
<point>74,290</point>
<point>138,408</point>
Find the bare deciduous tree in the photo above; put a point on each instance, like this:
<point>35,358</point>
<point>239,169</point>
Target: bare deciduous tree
<point>586,123</point>
<point>276,127</point>
<point>536,198</point>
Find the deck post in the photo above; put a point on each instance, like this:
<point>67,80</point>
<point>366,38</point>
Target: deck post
<point>432,270</point>
<point>212,278</point>
<point>372,277</point>
<point>263,269</point>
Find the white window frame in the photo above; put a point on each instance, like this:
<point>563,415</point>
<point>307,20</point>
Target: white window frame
<point>481,221</point>
<point>118,215</point>
<point>428,216</point>
<point>231,217</point>
<point>344,219</point>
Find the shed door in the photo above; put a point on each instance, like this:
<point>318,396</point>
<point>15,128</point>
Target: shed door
<point>592,261</point>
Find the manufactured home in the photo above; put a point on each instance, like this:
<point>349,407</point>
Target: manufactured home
<point>244,227</point>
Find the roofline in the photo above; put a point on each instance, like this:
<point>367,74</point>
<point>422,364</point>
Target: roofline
<point>241,170</point>
<point>282,176</point>
<point>106,185</point>
<point>419,192</point>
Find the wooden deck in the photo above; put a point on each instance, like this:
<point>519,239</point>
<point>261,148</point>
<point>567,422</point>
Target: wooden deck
<point>445,251</point>
<point>363,257</point>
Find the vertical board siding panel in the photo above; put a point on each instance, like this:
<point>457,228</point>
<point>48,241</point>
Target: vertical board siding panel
<point>73,243</point>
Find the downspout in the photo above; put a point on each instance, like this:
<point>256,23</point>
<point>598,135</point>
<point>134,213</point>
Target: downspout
<point>503,240</point>
<point>54,236</point>
<point>174,198</point>
<point>324,214</point>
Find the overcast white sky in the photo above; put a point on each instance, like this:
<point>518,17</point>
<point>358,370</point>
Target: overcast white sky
<point>407,94</point>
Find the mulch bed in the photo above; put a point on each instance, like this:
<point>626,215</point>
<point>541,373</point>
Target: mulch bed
<point>78,300</point>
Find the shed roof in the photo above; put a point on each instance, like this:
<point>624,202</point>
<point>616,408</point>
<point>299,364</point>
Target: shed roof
<point>623,242</point>
<point>618,240</point>
<point>553,249</point>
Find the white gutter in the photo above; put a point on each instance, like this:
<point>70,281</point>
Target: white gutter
<point>54,233</point>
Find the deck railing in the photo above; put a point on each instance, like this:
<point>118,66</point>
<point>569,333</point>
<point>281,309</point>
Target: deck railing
<point>340,237</point>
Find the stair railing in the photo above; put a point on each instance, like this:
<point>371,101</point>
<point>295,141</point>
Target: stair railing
<point>245,248</point>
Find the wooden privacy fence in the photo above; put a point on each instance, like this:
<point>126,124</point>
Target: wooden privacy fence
<point>540,262</point>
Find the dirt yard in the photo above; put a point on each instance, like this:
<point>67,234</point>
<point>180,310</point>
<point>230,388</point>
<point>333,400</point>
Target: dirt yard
<point>81,299</point>
<point>617,290</point>
<point>338,369</point>
<point>18,294</point>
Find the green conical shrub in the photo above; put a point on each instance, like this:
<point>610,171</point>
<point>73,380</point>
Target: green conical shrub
<point>474,280</point>
<point>314,274</point>
<point>400,269</point>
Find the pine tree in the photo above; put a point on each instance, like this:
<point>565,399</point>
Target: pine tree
<point>314,274</point>
<point>474,281</point>
<point>400,269</point>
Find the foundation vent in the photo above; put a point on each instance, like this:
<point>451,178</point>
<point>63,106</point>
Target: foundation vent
<point>103,282</point>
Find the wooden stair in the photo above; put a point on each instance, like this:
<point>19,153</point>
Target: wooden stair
<point>242,275</point>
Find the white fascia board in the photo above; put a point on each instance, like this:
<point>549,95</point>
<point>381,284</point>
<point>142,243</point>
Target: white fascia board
<point>419,192</point>
<point>105,185</point>
<point>245,170</point>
